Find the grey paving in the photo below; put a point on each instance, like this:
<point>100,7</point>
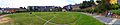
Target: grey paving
<point>104,19</point>
<point>116,22</point>
<point>101,18</point>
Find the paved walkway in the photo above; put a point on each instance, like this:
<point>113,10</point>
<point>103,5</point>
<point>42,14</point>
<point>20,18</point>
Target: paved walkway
<point>106,20</point>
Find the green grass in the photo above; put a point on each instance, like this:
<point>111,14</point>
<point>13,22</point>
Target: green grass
<point>69,18</point>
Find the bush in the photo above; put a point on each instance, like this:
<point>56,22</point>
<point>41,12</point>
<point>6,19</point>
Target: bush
<point>89,10</point>
<point>0,12</point>
<point>114,6</point>
<point>25,11</point>
<point>116,12</point>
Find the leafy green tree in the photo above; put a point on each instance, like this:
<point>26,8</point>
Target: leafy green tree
<point>103,6</point>
<point>114,6</point>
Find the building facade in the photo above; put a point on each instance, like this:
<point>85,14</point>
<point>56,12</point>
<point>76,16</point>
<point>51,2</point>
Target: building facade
<point>11,10</point>
<point>41,8</point>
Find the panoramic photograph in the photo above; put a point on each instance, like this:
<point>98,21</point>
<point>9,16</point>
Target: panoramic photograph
<point>59,12</point>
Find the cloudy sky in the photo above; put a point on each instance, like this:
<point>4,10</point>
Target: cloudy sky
<point>25,3</point>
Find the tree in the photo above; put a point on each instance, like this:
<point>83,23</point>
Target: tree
<point>103,5</point>
<point>86,4</point>
<point>0,7</point>
<point>22,7</point>
<point>58,9</point>
<point>114,6</point>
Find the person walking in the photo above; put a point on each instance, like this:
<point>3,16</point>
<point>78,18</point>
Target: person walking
<point>109,14</point>
<point>106,13</point>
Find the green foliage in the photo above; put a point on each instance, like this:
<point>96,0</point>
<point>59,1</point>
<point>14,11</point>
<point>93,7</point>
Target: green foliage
<point>114,6</point>
<point>86,4</point>
<point>116,12</point>
<point>0,12</point>
<point>5,12</point>
<point>90,10</point>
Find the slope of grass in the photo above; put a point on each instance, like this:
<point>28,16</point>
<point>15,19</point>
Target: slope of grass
<point>69,18</point>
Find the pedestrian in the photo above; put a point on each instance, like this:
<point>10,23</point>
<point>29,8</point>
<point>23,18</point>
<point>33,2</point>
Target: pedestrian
<point>109,14</point>
<point>106,13</point>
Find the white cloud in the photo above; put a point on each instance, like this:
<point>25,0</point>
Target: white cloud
<point>19,3</point>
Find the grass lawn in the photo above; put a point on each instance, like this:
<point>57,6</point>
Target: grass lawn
<point>52,18</point>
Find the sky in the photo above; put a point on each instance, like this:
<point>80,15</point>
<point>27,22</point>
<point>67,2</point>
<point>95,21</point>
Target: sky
<point>25,3</point>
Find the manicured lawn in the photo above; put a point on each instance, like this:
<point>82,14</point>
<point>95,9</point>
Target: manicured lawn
<point>53,18</point>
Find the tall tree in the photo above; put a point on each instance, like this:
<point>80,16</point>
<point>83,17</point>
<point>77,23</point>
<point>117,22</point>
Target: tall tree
<point>103,5</point>
<point>21,7</point>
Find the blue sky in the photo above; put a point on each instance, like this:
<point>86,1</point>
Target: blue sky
<point>25,3</point>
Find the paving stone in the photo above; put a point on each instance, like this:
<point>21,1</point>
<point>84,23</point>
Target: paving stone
<point>116,22</point>
<point>104,19</point>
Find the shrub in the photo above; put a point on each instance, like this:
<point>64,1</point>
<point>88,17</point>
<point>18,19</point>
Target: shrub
<point>116,12</point>
<point>114,6</point>
<point>0,12</point>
